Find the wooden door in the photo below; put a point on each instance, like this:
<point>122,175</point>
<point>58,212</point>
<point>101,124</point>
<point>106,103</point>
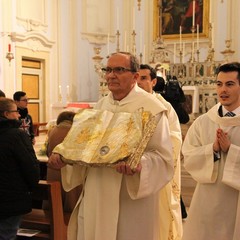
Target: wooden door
<point>32,84</point>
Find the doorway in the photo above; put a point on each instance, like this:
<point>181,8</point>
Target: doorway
<point>33,84</point>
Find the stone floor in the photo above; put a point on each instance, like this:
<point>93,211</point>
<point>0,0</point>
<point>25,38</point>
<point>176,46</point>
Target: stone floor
<point>188,186</point>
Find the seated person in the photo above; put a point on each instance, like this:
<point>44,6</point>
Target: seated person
<point>55,136</point>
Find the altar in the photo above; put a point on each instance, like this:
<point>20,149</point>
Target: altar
<point>59,107</point>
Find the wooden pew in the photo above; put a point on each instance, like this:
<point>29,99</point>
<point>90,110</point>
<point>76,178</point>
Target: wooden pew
<point>52,222</point>
<point>40,128</point>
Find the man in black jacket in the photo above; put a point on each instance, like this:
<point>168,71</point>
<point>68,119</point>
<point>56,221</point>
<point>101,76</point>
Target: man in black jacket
<point>21,100</point>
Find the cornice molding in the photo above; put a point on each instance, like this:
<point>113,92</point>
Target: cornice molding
<point>35,36</point>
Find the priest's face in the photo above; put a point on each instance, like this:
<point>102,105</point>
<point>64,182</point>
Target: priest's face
<point>119,75</point>
<point>144,80</point>
<point>228,90</point>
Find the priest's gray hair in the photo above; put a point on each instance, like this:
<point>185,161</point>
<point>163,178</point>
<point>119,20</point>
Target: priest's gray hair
<point>134,62</point>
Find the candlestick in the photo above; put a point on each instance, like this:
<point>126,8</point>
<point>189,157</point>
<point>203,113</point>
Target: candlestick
<point>118,45</point>
<point>180,36</point>
<point>212,36</point>
<point>193,16</point>
<point>140,57</point>
<point>193,51</point>
<point>134,42</point>
<point>197,36</point>
<point>183,52</point>
<point>9,47</point>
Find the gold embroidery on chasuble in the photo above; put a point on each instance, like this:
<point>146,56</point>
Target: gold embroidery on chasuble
<point>176,190</point>
<point>102,138</point>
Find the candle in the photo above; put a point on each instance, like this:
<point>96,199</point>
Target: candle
<point>108,43</point>
<point>9,47</point>
<point>229,20</point>
<point>180,40</point>
<point>125,41</point>
<point>183,52</point>
<point>197,36</point>
<point>141,41</point>
<point>212,36</point>
<point>210,15</point>
<point>117,18</point>
<point>67,90</point>
<point>174,53</point>
<point>144,53</point>
<point>133,17</point>
<point>193,16</point>
<point>60,89</point>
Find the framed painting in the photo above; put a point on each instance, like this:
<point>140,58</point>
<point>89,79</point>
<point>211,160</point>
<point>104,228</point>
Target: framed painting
<point>169,15</point>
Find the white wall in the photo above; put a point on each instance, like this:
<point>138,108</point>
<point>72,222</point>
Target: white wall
<point>62,29</point>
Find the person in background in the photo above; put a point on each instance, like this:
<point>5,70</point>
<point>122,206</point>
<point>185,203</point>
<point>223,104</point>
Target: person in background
<point>174,94</point>
<point>170,210</point>
<point>2,94</point>
<point>159,86</point>
<point>122,203</point>
<point>55,136</point>
<point>21,100</point>
<point>19,170</point>
<point>211,152</point>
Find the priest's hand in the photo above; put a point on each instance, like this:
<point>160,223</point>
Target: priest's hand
<point>124,168</point>
<point>55,161</point>
<point>216,145</point>
<point>223,140</point>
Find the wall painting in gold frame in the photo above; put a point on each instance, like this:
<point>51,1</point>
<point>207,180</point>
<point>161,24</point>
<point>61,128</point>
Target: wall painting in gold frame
<point>179,12</point>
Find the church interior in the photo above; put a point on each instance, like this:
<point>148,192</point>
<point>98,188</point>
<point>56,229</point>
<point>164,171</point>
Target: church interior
<point>54,51</point>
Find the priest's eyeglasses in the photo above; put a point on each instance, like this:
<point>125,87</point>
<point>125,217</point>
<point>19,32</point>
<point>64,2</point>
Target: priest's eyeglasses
<point>116,70</point>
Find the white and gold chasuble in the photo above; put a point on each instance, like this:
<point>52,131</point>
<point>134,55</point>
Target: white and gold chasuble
<point>114,206</point>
